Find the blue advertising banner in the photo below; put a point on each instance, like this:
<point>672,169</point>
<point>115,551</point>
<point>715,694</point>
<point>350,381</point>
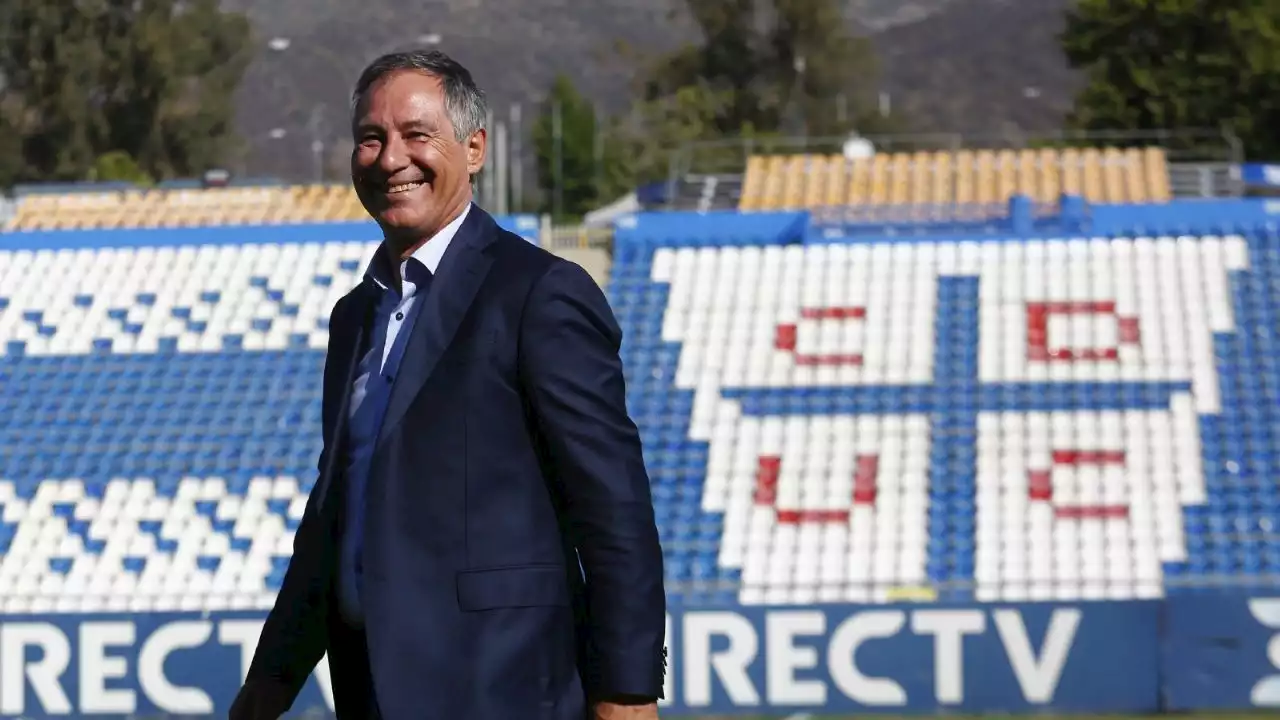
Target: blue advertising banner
<point>147,664</point>
<point>1260,175</point>
<point>1084,657</point>
<point>1070,657</point>
<point>1221,652</point>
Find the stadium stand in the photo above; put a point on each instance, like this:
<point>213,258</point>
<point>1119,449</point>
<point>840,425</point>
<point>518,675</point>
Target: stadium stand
<point>187,207</point>
<point>825,419</point>
<point>831,411</point>
<point>977,177</point>
<point>850,435</point>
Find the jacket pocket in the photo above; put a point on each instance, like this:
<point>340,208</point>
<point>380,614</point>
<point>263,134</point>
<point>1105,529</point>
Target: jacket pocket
<point>513,587</point>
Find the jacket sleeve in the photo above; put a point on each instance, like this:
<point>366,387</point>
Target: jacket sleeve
<point>294,637</point>
<point>569,342</point>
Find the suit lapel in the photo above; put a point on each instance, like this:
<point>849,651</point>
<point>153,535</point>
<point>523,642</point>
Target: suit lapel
<point>459,276</point>
<point>350,330</point>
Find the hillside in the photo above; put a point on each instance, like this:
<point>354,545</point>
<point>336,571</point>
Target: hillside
<point>980,65</point>
<point>949,64</point>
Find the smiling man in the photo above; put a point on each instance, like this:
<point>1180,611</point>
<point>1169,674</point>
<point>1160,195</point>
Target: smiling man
<point>480,542</point>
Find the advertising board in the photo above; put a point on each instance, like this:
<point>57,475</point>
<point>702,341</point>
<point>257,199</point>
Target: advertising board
<point>901,659</point>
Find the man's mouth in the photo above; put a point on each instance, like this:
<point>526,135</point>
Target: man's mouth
<point>403,187</point>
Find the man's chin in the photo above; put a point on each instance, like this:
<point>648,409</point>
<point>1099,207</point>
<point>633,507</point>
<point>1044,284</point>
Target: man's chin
<point>398,218</point>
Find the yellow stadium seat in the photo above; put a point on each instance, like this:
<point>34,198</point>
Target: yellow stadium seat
<point>900,179</point>
<point>966,188</point>
<point>62,214</point>
<point>249,207</point>
<point>115,216</point>
<point>27,214</point>
<point>1135,187</point>
<point>1113,176</point>
<point>104,209</point>
<point>149,211</point>
<point>879,182</point>
<point>229,207</point>
<point>986,182</point>
<point>920,184</point>
<point>211,206</point>
<point>859,188</point>
<point>172,208</point>
<point>941,178</point>
<point>235,207</point>
<point>70,212</point>
<point>1006,175</point>
<point>1028,179</point>
<point>329,203</point>
<point>67,214</point>
<point>351,207</point>
<point>1156,174</point>
<point>1091,170</point>
<point>295,211</point>
<point>773,183</point>
<point>283,198</point>
<point>303,204</point>
<point>794,175</point>
<point>835,188</point>
<point>1072,172</point>
<point>815,186</point>
<point>1049,170</point>
<point>752,184</point>
<point>76,211</point>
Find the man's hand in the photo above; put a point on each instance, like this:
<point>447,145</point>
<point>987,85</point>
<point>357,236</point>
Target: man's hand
<point>616,711</point>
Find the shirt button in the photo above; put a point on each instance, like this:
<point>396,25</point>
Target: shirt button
<point>399,316</point>
<point>390,379</point>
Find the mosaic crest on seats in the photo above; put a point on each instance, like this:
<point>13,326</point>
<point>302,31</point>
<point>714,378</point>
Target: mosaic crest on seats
<point>1008,419</point>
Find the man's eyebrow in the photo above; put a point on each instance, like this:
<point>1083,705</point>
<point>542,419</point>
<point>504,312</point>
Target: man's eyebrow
<point>369,126</point>
<point>417,125</point>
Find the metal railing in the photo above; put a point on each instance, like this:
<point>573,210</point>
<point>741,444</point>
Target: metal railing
<point>729,156</point>
<point>1215,150</point>
<point>8,208</point>
<point>569,237</point>
<point>1205,180</point>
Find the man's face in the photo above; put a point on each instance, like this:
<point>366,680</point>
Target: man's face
<point>409,169</point>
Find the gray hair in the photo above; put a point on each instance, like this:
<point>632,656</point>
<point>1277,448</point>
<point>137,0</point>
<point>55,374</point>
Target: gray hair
<point>464,100</point>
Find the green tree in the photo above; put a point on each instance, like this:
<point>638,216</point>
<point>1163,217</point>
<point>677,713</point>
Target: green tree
<point>655,128</point>
<point>151,79</point>
<point>1179,64</point>
<point>787,74</point>
<point>570,182</point>
<point>118,166</point>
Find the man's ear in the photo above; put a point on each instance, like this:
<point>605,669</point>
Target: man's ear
<point>477,150</point>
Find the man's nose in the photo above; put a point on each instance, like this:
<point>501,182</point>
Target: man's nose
<point>394,156</point>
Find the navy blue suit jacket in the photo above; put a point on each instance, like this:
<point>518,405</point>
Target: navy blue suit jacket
<point>511,560</point>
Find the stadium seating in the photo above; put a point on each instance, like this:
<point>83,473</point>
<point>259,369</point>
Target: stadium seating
<point>1001,418</point>
<point>159,419</point>
<point>173,208</point>
<point>1008,420</point>
<point>981,178</point>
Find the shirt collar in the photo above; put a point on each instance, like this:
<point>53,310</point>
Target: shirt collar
<point>429,253</point>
